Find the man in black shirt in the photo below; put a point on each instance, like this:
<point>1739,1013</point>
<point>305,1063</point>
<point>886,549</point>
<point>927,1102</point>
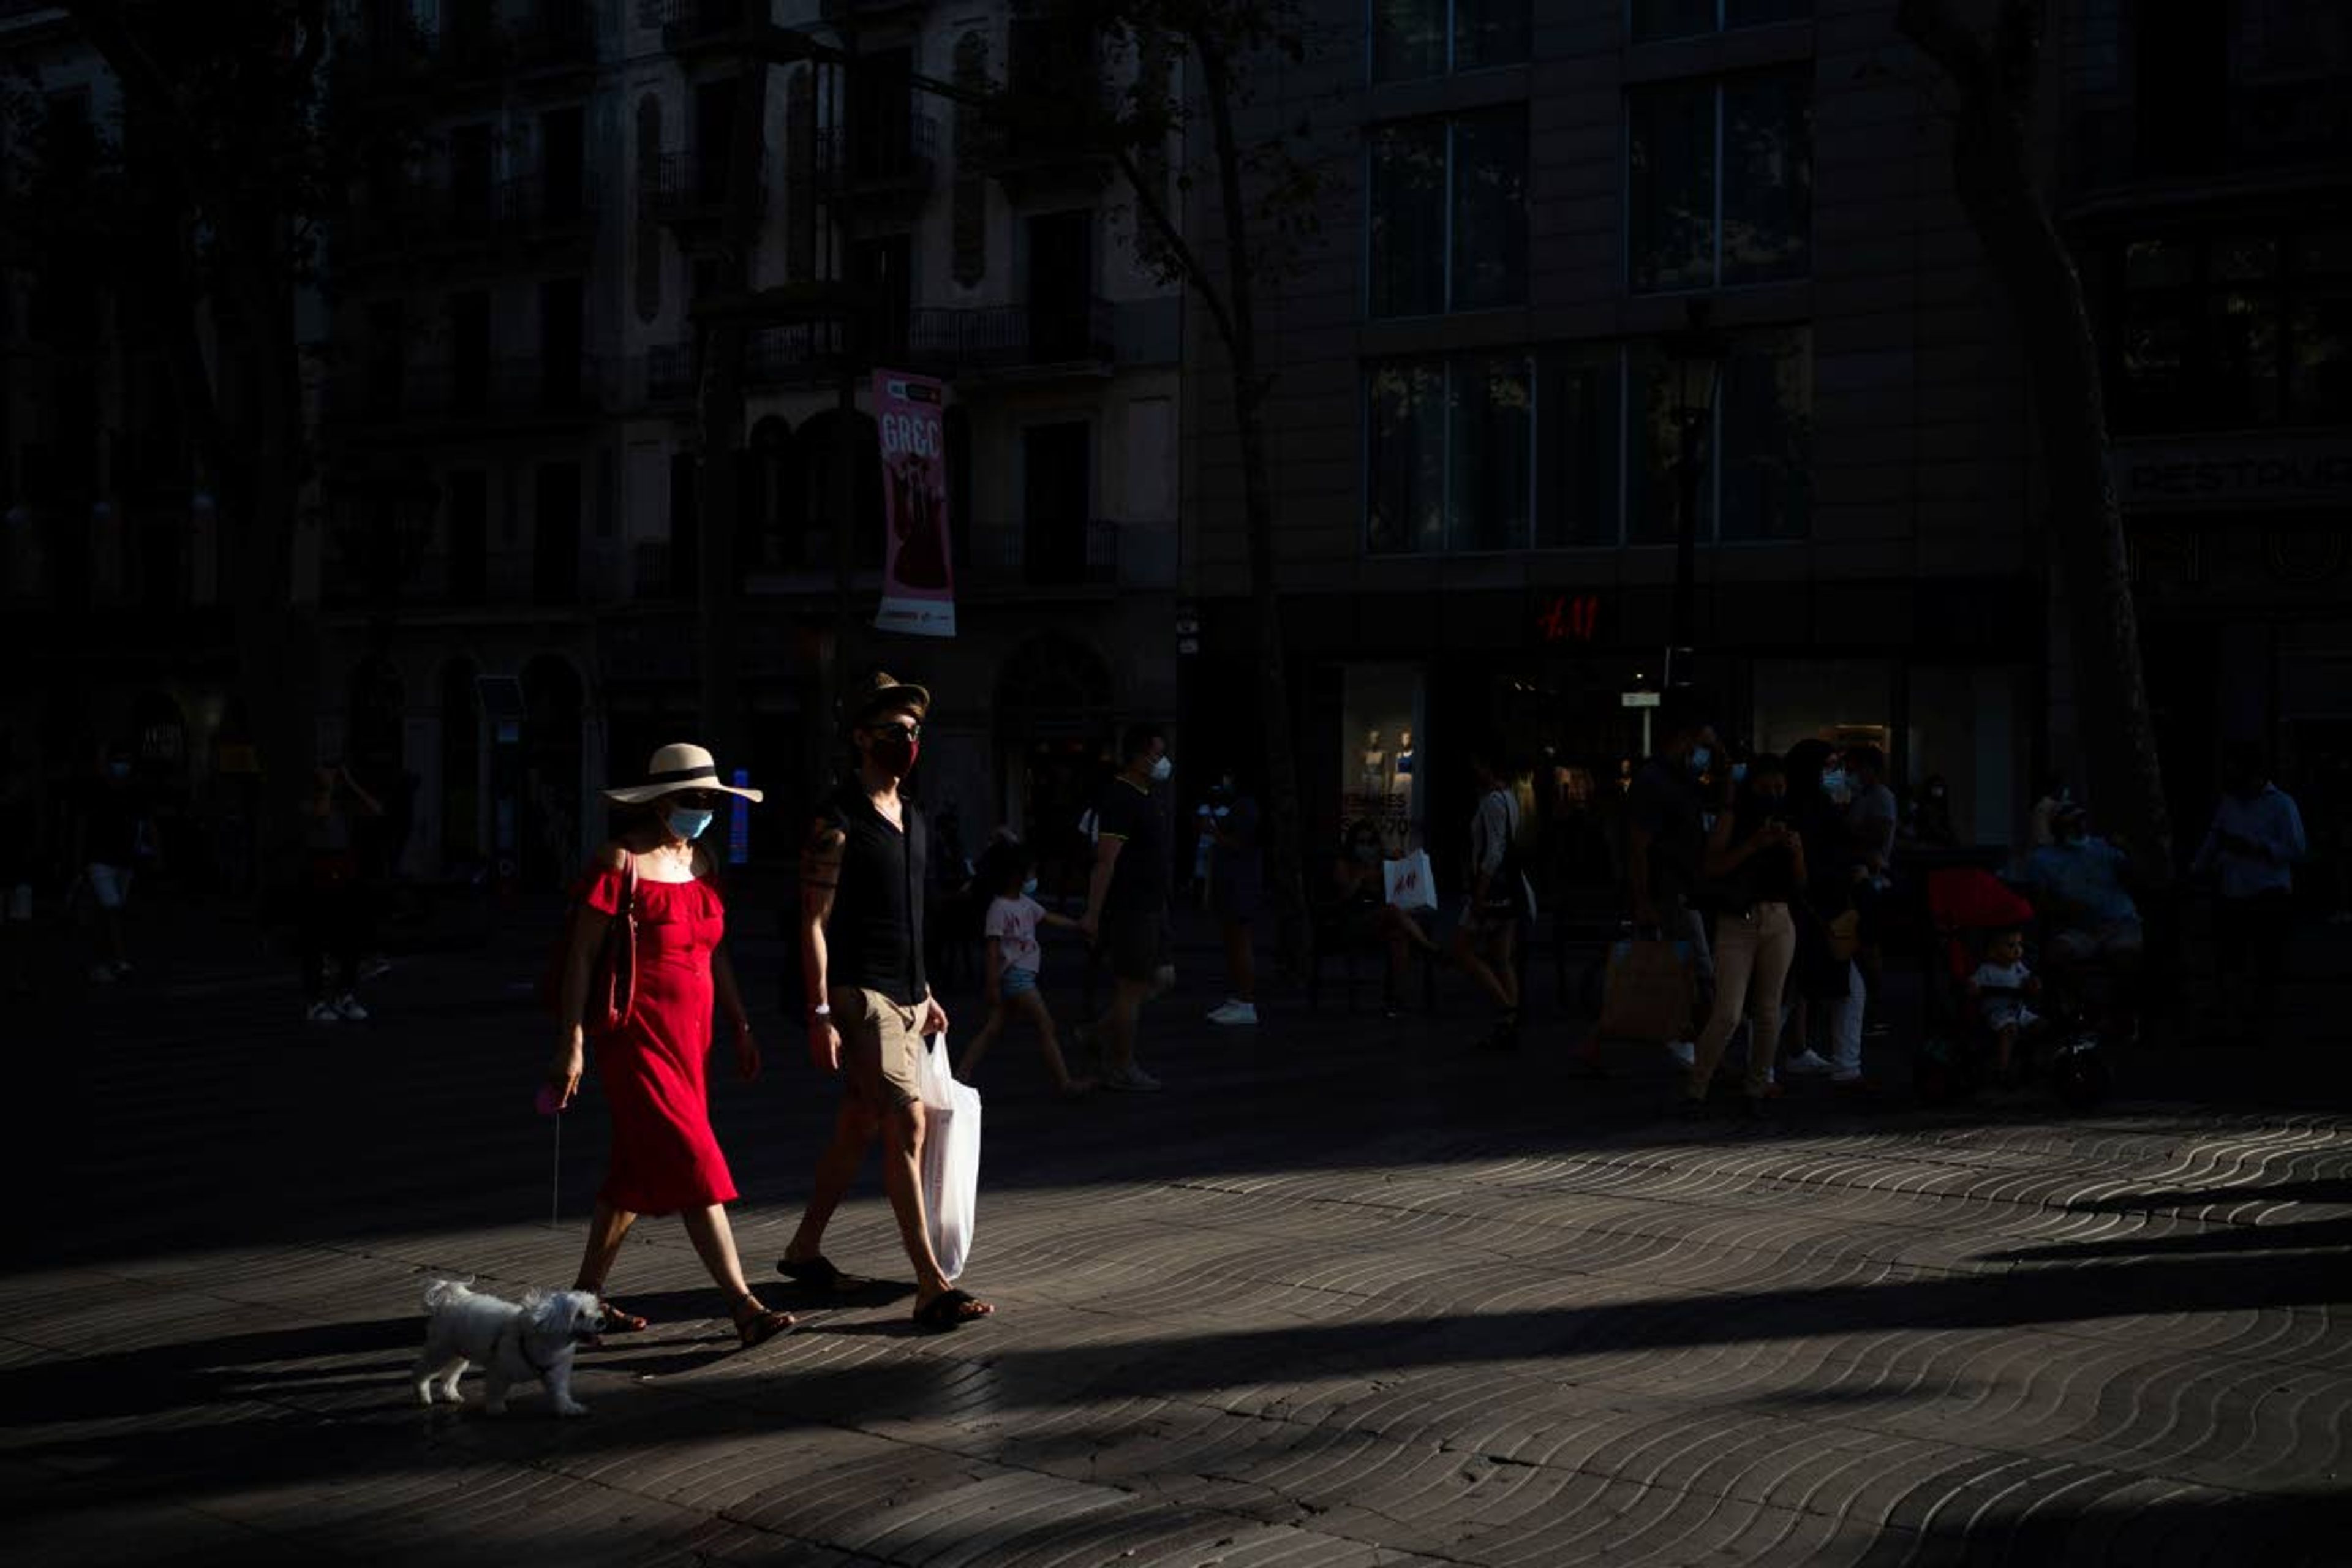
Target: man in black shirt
<point>1127,900</point>
<point>871,1006</point>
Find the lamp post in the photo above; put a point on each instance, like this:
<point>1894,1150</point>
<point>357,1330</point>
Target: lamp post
<point>1696,353</point>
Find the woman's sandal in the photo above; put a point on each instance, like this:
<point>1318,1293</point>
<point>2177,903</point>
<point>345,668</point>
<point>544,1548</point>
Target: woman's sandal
<point>950,1309</point>
<point>762,1323</point>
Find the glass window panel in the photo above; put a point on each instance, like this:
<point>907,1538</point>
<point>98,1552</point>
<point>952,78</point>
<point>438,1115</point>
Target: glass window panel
<point>1489,33</point>
<point>1408,219</point>
<point>1670,199</point>
<point>2327,251</point>
<point>1408,39</point>
<point>2158,264</point>
<point>1582,452</point>
<point>1767,176</point>
<point>1405,430</point>
<point>2241,259</point>
<point>2154,363</point>
<point>1767,428</point>
<point>1490,209</point>
<point>1493,437</point>
<point>1671,18</point>
<point>2244,342</point>
<point>2320,365</point>
<point>1656,387</point>
<point>1759,13</point>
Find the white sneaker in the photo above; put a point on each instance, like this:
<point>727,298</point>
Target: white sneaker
<point>1683,1051</point>
<point>1850,1076</point>
<point>324,1013</point>
<point>350,1010</point>
<point>1130,1079</point>
<point>375,968</point>
<point>1236,1012</point>
<point>1807,1064</point>
<point>102,972</point>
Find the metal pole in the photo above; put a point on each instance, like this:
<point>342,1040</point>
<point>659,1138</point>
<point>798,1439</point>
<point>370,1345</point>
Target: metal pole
<point>1679,657</point>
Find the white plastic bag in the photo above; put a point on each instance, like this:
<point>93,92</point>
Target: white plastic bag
<point>1408,882</point>
<point>951,1156</point>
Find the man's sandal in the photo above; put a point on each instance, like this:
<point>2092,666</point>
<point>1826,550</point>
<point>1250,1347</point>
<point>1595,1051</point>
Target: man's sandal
<point>762,1324</point>
<point>950,1309</point>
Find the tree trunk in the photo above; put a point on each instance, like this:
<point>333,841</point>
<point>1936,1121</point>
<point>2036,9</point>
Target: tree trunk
<point>1993,173</point>
<point>1282,792</point>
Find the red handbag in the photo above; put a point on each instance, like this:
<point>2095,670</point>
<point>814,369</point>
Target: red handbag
<point>612,976</point>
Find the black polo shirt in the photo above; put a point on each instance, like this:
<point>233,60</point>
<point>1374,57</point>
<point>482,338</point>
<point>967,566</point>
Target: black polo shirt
<point>875,939</point>
<point>1139,878</point>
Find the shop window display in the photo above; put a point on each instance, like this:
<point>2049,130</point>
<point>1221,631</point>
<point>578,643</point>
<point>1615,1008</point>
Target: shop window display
<point>1380,720</point>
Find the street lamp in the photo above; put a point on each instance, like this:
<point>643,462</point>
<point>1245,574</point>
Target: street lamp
<point>1695,352</point>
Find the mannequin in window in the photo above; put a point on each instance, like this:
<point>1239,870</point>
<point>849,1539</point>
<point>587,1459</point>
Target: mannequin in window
<point>1400,782</point>
<point>1373,781</point>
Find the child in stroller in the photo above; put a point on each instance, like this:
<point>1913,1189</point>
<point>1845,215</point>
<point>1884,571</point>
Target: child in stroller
<point>1980,924</point>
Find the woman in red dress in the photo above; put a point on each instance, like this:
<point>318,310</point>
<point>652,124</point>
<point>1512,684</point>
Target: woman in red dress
<point>665,1159</point>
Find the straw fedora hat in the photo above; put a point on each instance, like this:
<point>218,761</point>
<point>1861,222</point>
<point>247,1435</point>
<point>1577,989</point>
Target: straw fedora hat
<point>880,693</point>
<point>673,768</point>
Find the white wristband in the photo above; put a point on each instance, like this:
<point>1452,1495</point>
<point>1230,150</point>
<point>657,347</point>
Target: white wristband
<point>820,1010</point>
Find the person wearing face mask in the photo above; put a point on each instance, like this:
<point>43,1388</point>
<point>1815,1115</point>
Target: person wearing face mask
<point>1127,899</point>
<point>657,873</point>
<point>1665,845</point>
<point>2080,880</point>
<point>1756,871</point>
<point>871,1007</point>
<point>1236,879</point>
<point>1009,871</point>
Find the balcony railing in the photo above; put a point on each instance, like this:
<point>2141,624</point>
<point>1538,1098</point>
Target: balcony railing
<point>689,186</point>
<point>1006,337</point>
<point>528,208</point>
<point>508,390</point>
<point>904,153</point>
<point>556,33</point>
<point>802,355</point>
<point>1042,553</point>
<point>684,22</point>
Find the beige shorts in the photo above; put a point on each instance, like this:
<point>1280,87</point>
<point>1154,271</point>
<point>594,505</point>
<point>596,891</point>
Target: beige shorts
<point>881,1044</point>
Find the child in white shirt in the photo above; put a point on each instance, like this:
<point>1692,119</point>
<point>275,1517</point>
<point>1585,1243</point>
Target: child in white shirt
<point>1015,955</point>
<point>2000,988</point>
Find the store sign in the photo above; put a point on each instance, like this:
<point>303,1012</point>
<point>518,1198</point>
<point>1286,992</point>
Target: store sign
<point>739,823</point>
<point>1639,700</point>
<point>1567,617</point>
<point>2283,470</point>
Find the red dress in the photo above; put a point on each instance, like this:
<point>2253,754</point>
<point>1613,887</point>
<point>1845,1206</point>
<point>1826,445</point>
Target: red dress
<point>665,1158</point>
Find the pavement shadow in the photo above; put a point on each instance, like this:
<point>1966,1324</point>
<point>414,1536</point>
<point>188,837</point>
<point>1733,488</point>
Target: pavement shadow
<point>155,1379</point>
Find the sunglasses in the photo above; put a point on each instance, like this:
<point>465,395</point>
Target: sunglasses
<point>912,731</point>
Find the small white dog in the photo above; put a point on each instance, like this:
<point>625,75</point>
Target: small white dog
<point>514,1343</point>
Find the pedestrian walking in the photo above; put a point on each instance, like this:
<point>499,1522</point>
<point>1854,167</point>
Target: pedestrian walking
<point>870,1002</point>
<point>1871,817</point>
<point>1756,871</point>
<point>20,853</point>
<point>657,874</point>
<point>1486,943</point>
<point>1825,978</point>
<point>1665,845</point>
<point>1015,963</point>
<point>1236,885</point>
<point>2251,851</point>
<point>335,906</point>
<point>114,833</point>
<point>1127,899</point>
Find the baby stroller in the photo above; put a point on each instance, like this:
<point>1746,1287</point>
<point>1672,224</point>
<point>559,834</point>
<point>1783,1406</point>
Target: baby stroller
<point>1967,907</point>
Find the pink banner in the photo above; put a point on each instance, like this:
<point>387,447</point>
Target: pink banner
<point>918,579</point>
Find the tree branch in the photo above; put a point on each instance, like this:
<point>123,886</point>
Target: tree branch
<point>1188,262</point>
<point>144,81</point>
<point>1938,34</point>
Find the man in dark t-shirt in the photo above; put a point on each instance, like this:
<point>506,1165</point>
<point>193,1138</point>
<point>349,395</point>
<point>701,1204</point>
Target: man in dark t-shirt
<point>1127,900</point>
<point>870,1002</point>
<point>1665,845</point>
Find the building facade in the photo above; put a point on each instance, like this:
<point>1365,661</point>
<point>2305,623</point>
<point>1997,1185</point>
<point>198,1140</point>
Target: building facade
<point>1588,264</point>
<point>503,555</point>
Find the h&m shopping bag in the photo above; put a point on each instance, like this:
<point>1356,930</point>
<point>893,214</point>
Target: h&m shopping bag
<point>951,1156</point>
<point>1651,992</point>
<point>1408,883</point>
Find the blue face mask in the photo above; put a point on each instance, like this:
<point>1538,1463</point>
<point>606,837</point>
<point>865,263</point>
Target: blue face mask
<point>1739,772</point>
<point>1834,783</point>
<point>1700,757</point>
<point>689,824</point>
<point>1029,889</point>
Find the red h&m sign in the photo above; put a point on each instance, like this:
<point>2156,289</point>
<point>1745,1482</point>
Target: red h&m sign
<point>1567,617</point>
